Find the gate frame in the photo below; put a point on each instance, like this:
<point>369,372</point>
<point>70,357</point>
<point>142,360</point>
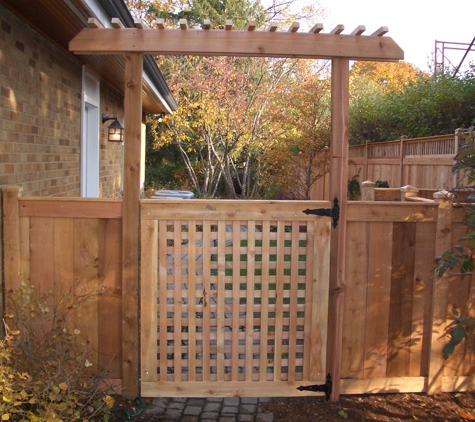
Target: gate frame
<point>134,43</point>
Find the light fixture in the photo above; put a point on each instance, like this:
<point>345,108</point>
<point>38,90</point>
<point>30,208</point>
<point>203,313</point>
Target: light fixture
<point>116,130</point>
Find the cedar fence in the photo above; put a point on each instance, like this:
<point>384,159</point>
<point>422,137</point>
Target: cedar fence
<point>422,162</point>
<point>395,310</point>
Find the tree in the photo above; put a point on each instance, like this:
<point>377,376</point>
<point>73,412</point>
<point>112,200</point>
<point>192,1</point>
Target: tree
<point>418,108</point>
<point>299,154</point>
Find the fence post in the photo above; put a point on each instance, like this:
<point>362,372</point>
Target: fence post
<point>458,143</point>
<point>408,192</point>
<point>443,241</point>
<point>367,190</point>
<point>402,154</point>
<point>366,151</point>
<point>11,236</point>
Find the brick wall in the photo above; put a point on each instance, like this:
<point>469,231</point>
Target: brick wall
<point>40,116</point>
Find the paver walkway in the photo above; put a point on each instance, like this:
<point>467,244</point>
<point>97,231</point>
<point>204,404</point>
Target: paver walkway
<point>210,409</point>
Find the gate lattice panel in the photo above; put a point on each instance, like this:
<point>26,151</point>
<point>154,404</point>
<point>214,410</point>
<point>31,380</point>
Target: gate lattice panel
<point>234,297</point>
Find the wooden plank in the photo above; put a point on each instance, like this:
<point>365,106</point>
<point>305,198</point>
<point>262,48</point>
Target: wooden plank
<point>148,295</point>
<point>338,189</point>
<point>71,207</point>
<point>220,322</point>
<point>294,281</point>
<point>110,302</point>
<point>162,297</point>
<point>229,210</point>
<point>354,304</point>
<point>377,305</point>
<point>177,303</point>
<point>206,300</point>
<point>25,248</point>
<point>422,299</point>
<point>458,383</point>
<point>279,306</point>
<point>386,385</point>
<point>251,262</point>
<point>225,389</point>
<point>235,309</point>
<point>42,255</point>
<point>317,285</point>
<point>130,220</point>
<point>11,237</point>
<point>443,241</point>
<point>191,247</point>
<point>85,259</point>
<point>392,211</point>
<point>401,297</point>
<point>264,326</point>
<point>235,43</point>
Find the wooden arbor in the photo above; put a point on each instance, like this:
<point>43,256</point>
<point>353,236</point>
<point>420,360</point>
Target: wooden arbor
<point>134,43</point>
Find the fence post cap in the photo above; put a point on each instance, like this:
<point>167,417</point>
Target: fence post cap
<point>409,188</point>
<point>368,183</point>
<point>443,194</point>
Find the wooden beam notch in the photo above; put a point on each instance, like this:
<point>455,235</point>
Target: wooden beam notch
<point>338,29</point>
<point>359,30</point>
<point>94,23</point>
<point>251,25</point>
<point>380,32</point>
<point>294,27</point>
<point>160,23</point>
<point>316,28</point>
<point>183,24</point>
<point>272,26</point>
<point>138,23</point>
<point>117,23</point>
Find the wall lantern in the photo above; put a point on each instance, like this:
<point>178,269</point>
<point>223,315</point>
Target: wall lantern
<point>116,130</point>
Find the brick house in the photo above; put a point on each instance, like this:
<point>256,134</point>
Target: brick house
<point>52,140</point>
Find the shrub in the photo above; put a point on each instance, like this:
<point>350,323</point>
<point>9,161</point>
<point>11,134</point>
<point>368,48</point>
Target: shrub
<point>46,370</point>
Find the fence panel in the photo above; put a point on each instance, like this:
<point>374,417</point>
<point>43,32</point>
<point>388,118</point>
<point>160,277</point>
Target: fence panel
<point>69,246</point>
<point>234,297</point>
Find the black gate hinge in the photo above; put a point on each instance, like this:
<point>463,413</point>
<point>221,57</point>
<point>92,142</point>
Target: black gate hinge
<point>333,212</point>
<point>325,388</point>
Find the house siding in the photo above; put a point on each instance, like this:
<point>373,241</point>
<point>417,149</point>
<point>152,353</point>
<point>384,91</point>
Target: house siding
<point>40,116</point>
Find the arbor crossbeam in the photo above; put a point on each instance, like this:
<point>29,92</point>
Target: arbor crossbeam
<point>218,42</point>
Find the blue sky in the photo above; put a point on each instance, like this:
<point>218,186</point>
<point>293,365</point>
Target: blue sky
<point>413,24</point>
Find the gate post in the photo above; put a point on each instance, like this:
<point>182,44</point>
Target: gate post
<point>338,188</point>
<point>443,241</point>
<point>130,223</point>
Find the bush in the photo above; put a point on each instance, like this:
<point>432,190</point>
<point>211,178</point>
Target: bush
<point>46,370</point>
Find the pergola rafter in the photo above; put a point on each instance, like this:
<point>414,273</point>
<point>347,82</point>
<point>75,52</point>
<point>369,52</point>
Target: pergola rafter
<point>134,43</point>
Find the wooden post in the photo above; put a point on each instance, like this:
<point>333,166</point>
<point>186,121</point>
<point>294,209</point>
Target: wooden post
<point>338,188</point>
<point>402,154</point>
<point>11,237</point>
<point>443,242</point>
<point>408,192</point>
<point>367,190</point>
<point>458,144</point>
<point>130,223</point>
<point>366,169</point>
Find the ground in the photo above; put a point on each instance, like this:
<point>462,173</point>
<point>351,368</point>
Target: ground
<point>386,407</point>
<point>382,407</point>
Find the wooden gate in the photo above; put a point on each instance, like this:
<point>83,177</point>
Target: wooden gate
<point>234,297</point>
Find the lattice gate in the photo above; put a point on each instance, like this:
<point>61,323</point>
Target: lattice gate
<point>234,297</point>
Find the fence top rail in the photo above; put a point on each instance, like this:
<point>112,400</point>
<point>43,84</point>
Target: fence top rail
<point>70,207</point>
<point>391,211</point>
<point>223,209</point>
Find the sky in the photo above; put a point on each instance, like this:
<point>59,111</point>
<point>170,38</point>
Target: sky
<point>413,24</point>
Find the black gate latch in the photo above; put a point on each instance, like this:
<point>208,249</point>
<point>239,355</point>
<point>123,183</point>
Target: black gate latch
<point>333,212</point>
<point>325,388</point>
